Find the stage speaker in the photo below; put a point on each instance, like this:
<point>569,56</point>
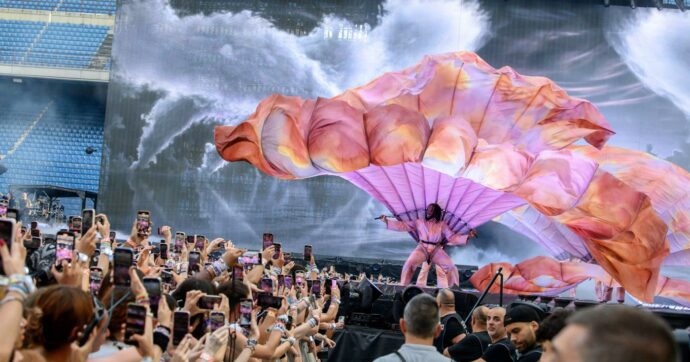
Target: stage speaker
<point>384,306</point>
<point>465,276</point>
<point>464,303</point>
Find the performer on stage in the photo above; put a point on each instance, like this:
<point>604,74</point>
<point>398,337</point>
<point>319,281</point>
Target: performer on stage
<point>433,234</point>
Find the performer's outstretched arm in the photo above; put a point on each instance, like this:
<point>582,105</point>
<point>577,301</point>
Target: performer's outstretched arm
<point>454,239</point>
<point>397,225</point>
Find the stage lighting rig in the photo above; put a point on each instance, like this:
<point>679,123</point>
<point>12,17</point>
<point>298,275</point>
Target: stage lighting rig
<point>680,4</point>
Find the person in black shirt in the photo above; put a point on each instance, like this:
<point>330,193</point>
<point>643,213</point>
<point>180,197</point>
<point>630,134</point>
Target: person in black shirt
<point>452,326</point>
<point>550,327</point>
<point>522,323</point>
<point>500,349</point>
<point>473,345</point>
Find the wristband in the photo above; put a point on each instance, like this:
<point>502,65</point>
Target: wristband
<point>161,339</point>
<point>333,326</point>
<point>251,344</point>
<point>283,318</point>
<point>206,357</point>
<point>335,300</point>
<point>292,340</point>
<point>11,298</point>
<point>313,322</point>
<point>219,266</point>
<point>83,257</point>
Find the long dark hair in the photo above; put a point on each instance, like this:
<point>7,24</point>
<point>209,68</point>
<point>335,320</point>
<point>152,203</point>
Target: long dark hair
<point>437,214</point>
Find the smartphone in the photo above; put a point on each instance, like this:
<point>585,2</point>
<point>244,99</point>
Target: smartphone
<point>95,280</point>
<point>94,258</point>
<point>208,301</point>
<point>33,243</point>
<point>153,288</point>
<point>180,326</point>
<point>316,288</point>
<point>266,285</point>
<point>113,236</point>
<point>307,253</point>
<point>267,300</point>
<point>34,225</point>
<point>250,257</point>
<point>276,253</point>
<point>194,261</point>
<point>164,251</point>
<point>7,236</point>
<point>166,277</point>
<point>309,284</point>
<point>281,280</point>
<point>287,257</point>
<point>3,207</point>
<point>143,222</point>
<point>12,214</point>
<point>267,240</point>
<point>216,320</point>
<point>87,216</point>
<point>327,286</point>
<point>75,225</point>
<point>238,272</point>
<point>288,282</point>
<point>300,280</point>
<point>246,312</point>
<point>122,261</point>
<point>136,321</point>
<point>341,319</point>
<point>64,247</point>
<point>199,242</point>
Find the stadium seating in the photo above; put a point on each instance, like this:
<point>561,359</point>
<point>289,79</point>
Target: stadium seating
<point>59,45</point>
<point>54,151</point>
<point>75,6</point>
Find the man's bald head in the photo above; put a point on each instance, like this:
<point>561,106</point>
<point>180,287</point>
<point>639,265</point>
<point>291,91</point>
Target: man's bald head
<point>445,297</point>
<point>479,318</point>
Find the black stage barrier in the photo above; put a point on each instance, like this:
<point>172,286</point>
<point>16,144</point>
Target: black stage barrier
<point>364,344</point>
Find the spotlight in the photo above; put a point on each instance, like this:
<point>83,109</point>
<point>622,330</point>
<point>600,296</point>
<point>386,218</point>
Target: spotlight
<point>680,4</point>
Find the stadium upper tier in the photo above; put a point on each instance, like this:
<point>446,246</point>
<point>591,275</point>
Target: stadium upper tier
<point>75,6</point>
<point>50,44</point>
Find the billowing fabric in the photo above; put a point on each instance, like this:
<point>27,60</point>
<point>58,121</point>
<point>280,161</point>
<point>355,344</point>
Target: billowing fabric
<point>477,140</point>
<point>547,276</point>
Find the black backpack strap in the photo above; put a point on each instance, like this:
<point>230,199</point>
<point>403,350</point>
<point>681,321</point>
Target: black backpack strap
<point>397,353</point>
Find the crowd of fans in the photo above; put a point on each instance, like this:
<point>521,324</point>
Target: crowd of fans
<point>84,296</point>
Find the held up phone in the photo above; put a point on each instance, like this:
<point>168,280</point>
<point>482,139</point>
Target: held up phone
<point>288,282</point>
<point>143,222</point>
<point>180,238</point>
<point>113,236</point>
<point>199,242</point>
<point>136,321</point>
<point>281,280</point>
<point>34,225</point>
<point>300,281</point>
<point>190,239</point>
<point>35,233</point>
<point>327,287</point>
<point>94,258</point>
<point>341,319</point>
<point>12,214</point>
<point>34,242</point>
<point>307,253</point>
<point>194,261</point>
<point>87,216</point>
<point>266,285</point>
<point>122,261</point>
<point>276,253</point>
<point>64,247</point>
<point>3,207</point>
<point>246,312</point>
<point>164,251</point>
<point>153,288</point>
<point>208,301</point>
<point>267,300</point>
<point>95,280</point>
<point>238,272</point>
<point>316,288</point>
<point>166,277</point>
<point>250,257</point>
<point>75,225</point>
<point>309,284</point>
<point>216,320</point>
<point>7,227</point>
<point>180,326</point>
<point>287,257</point>
<point>267,240</point>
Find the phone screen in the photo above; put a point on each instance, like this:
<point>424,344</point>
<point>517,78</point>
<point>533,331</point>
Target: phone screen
<point>87,220</point>
<point>276,253</point>
<point>179,241</point>
<point>199,243</point>
<point>250,258</point>
<point>216,321</point>
<point>95,280</point>
<point>238,273</point>
<point>269,301</point>
<point>246,312</point>
<point>113,236</point>
<point>267,285</point>
<point>288,282</point>
<point>76,224</point>
<point>143,222</point>
<point>307,252</point>
<point>136,321</point>
<point>194,260</point>
<point>180,326</point>
<point>164,250</point>
<point>316,288</point>
<point>34,225</point>
<point>281,280</point>
<point>122,261</point>
<point>153,288</point>
<point>3,208</point>
<point>208,301</point>
<point>64,247</point>
<point>267,240</point>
